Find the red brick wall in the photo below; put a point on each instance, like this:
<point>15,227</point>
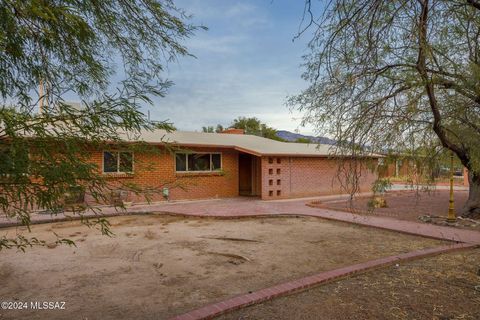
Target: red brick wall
<point>292,177</point>
<point>158,170</point>
<point>285,177</point>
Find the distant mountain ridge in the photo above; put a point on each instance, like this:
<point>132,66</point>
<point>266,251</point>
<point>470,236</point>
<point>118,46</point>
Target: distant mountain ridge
<point>292,137</point>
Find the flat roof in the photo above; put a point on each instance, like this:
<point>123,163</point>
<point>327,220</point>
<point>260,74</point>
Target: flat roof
<point>241,142</point>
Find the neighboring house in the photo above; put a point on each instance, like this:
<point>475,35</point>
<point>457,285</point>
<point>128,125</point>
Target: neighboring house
<point>407,167</point>
<point>397,166</point>
<point>211,165</point>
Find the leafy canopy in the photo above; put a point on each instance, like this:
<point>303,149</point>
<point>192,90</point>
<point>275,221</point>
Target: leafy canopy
<point>254,126</point>
<point>52,48</point>
<point>396,75</point>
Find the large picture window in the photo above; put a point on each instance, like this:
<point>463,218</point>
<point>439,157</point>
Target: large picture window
<point>117,162</point>
<point>198,162</point>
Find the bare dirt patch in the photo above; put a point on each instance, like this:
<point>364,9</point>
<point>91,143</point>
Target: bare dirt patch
<point>409,205</point>
<point>158,266</point>
<point>438,288</point>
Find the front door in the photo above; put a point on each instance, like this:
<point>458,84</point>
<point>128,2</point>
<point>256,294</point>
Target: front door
<point>245,174</point>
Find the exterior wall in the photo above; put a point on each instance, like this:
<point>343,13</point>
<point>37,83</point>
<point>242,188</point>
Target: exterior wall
<point>397,168</point>
<point>279,177</point>
<point>294,177</point>
<point>158,171</point>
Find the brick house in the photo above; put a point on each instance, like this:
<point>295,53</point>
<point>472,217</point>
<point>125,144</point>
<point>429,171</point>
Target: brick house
<point>218,165</point>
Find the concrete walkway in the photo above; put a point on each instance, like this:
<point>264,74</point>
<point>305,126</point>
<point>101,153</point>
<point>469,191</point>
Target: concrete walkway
<point>251,207</point>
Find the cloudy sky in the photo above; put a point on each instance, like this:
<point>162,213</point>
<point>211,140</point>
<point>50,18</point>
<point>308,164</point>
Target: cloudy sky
<point>246,65</point>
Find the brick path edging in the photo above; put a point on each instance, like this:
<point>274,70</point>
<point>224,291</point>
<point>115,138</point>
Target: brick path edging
<point>216,309</point>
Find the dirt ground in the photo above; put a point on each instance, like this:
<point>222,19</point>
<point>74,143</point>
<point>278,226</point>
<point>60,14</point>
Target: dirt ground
<point>158,266</point>
<point>438,288</point>
<point>405,205</point>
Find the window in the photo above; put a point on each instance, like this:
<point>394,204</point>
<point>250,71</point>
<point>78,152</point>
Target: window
<point>180,162</point>
<point>117,162</point>
<point>14,162</point>
<point>198,162</point>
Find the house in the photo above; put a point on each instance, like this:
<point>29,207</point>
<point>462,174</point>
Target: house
<point>403,168</point>
<point>230,164</point>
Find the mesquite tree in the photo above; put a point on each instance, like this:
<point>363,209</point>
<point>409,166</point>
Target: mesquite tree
<point>51,48</point>
<point>398,75</point>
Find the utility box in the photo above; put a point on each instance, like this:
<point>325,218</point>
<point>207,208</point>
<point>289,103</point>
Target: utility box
<point>166,193</point>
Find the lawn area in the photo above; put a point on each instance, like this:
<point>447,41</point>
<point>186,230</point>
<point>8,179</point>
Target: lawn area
<point>438,288</point>
<point>158,266</point>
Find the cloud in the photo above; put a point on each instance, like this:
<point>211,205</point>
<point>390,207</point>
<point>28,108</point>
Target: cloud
<point>210,44</point>
<point>240,9</point>
<point>246,65</point>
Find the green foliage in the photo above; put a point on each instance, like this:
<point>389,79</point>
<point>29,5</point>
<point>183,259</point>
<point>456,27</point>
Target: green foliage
<point>255,127</point>
<point>303,140</point>
<point>211,129</point>
<point>20,242</point>
<point>251,126</point>
<point>399,76</point>
<point>51,48</point>
<point>380,186</point>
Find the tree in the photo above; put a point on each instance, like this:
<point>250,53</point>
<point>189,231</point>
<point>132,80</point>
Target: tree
<point>219,128</point>
<point>212,129</point>
<point>255,127</point>
<point>50,48</point>
<point>397,75</point>
<point>303,140</point>
<point>208,129</point>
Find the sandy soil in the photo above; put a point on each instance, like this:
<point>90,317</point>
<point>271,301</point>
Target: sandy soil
<point>158,266</point>
<point>438,288</point>
<point>405,205</point>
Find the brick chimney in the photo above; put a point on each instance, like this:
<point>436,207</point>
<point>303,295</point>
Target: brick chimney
<point>233,131</point>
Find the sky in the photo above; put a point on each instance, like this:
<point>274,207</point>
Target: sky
<point>246,65</point>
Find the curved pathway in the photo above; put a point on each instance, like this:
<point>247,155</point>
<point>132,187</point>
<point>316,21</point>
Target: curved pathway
<point>246,207</point>
<point>241,207</point>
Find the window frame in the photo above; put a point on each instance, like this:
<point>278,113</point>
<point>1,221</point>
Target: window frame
<point>187,154</point>
<point>118,162</point>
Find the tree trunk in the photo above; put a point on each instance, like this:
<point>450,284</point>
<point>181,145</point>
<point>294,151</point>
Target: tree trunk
<point>472,206</point>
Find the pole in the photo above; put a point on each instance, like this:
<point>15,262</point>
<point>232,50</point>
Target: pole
<point>40,93</point>
<point>451,208</point>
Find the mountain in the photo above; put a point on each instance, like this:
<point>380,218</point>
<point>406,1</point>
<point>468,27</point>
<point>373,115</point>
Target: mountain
<point>292,137</point>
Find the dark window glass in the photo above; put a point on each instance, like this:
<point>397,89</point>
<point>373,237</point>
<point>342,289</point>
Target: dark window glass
<point>126,162</point>
<point>216,161</point>
<point>181,162</point>
<point>110,161</point>
<point>13,161</point>
<point>6,162</point>
<point>198,162</point>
